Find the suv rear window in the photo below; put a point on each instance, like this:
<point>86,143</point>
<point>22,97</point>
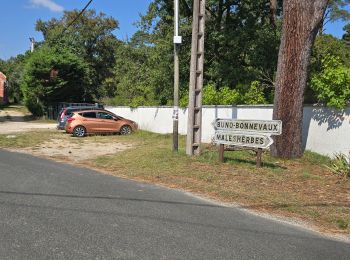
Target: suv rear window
<point>88,114</point>
<point>69,112</point>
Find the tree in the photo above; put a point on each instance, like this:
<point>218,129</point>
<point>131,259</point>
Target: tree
<point>241,47</point>
<point>335,11</point>
<point>301,23</point>
<point>52,75</point>
<point>90,37</point>
<point>346,36</point>
<point>325,45</point>
<point>13,69</point>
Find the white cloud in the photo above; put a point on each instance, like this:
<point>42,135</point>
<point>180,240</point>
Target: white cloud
<point>50,4</point>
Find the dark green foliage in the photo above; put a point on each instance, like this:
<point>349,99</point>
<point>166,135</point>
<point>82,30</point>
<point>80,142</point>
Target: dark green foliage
<point>346,36</point>
<point>52,75</point>
<point>241,47</point>
<point>13,69</point>
<point>90,38</point>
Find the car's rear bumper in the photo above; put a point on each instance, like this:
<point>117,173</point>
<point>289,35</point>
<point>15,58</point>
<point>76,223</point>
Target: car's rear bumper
<point>68,129</point>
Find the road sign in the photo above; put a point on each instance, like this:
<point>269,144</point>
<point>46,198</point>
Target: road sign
<point>242,139</point>
<point>272,127</point>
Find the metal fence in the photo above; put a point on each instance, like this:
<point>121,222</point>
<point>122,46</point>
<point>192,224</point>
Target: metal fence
<point>53,110</point>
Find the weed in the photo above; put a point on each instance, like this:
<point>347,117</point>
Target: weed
<point>341,165</point>
<point>342,224</point>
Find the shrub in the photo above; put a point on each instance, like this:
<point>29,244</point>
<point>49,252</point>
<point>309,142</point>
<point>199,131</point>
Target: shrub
<point>34,106</point>
<point>341,165</point>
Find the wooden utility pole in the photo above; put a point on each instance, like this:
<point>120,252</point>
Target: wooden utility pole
<point>194,125</point>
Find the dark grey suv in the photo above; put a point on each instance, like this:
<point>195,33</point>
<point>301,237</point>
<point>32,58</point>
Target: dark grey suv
<point>67,112</point>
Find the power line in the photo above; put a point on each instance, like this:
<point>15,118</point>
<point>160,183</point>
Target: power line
<point>76,18</point>
<point>72,22</point>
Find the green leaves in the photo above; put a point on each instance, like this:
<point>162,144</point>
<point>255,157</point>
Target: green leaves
<point>52,76</point>
<point>91,38</point>
<point>332,83</point>
<point>251,94</point>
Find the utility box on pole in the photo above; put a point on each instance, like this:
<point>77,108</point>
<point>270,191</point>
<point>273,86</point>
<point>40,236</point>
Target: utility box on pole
<point>194,125</point>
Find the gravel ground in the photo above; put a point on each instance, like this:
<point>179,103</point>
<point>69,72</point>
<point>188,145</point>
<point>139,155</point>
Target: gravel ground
<point>13,122</point>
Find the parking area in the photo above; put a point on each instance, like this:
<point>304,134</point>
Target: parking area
<point>60,145</point>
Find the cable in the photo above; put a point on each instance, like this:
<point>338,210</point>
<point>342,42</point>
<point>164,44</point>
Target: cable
<point>76,18</point>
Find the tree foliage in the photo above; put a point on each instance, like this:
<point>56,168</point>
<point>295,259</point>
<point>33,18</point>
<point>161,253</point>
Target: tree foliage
<point>13,69</point>
<point>332,83</point>
<point>346,36</point>
<point>89,37</point>
<point>52,75</point>
<point>241,50</point>
<point>241,47</point>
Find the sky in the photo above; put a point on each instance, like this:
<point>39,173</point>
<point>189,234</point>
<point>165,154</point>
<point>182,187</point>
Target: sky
<point>18,18</point>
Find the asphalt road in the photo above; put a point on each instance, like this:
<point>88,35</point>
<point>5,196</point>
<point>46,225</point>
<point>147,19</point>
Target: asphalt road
<point>50,210</point>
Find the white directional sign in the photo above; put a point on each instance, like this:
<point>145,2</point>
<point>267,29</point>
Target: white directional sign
<point>242,139</point>
<point>272,127</point>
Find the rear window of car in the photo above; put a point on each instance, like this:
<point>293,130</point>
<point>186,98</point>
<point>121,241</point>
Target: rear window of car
<point>88,114</point>
<point>69,112</point>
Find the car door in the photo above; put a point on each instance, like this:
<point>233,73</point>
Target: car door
<point>107,122</point>
<point>89,121</point>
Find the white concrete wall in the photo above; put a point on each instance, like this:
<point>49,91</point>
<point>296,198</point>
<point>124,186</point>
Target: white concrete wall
<point>325,131</point>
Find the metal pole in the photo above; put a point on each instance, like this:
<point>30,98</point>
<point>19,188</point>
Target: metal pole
<point>177,42</point>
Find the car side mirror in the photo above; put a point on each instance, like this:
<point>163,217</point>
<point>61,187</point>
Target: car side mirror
<point>115,118</point>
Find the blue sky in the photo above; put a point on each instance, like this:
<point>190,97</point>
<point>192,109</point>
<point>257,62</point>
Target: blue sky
<point>18,19</point>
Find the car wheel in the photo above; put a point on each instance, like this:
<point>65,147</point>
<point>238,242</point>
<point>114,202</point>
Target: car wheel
<point>125,130</point>
<point>79,131</point>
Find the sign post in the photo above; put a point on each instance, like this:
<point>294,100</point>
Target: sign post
<point>250,134</point>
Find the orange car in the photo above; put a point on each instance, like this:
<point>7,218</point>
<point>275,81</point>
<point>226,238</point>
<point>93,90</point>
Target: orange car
<point>86,122</point>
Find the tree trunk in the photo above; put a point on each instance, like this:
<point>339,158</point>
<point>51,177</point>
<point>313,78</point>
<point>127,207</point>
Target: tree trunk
<point>301,22</point>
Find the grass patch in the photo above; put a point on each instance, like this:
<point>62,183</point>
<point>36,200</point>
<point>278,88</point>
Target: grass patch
<point>301,188</point>
<point>23,140</point>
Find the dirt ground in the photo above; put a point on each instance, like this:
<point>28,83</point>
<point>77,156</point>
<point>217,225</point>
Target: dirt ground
<point>13,122</point>
<point>76,151</point>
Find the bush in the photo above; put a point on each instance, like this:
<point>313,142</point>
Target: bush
<point>34,106</point>
<point>341,165</point>
<point>254,95</point>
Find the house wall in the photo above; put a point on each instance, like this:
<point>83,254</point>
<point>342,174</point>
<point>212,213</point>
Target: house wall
<point>325,131</point>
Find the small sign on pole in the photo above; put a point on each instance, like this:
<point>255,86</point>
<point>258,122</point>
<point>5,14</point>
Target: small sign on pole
<point>253,134</point>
